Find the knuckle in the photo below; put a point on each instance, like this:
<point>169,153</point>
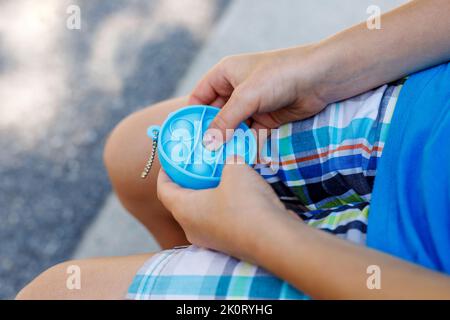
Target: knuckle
<point>225,63</point>
<point>230,64</point>
<point>224,60</point>
<point>225,67</point>
<point>247,96</point>
<point>228,60</point>
<point>242,93</point>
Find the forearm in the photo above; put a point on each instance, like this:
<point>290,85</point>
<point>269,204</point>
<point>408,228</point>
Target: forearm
<point>411,38</point>
<point>326,267</point>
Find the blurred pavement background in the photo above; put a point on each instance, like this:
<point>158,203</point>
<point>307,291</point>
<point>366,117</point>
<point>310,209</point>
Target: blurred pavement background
<point>62,91</point>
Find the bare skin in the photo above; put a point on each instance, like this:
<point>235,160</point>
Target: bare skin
<point>101,279</point>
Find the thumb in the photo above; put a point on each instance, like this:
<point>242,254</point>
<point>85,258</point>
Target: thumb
<point>241,106</point>
<point>237,171</point>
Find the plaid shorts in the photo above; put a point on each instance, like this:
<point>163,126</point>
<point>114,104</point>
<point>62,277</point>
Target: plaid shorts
<point>325,173</point>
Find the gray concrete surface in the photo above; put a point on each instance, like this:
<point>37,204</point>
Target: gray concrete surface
<point>246,26</point>
<point>61,92</point>
<point>114,233</point>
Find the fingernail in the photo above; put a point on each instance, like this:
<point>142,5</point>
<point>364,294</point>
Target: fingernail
<point>210,141</point>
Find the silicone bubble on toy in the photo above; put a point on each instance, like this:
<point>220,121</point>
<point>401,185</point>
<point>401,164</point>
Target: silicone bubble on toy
<point>182,154</point>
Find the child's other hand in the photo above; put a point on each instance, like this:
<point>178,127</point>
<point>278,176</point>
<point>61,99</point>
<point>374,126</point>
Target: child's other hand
<point>231,218</point>
<point>271,88</point>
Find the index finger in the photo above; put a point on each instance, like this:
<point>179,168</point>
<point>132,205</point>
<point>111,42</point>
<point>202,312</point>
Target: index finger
<point>211,87</point>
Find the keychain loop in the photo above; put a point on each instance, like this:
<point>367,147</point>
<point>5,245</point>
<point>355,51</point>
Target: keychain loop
<point>148,166</point>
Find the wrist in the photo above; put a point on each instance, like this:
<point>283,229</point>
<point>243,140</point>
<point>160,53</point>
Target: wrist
<point>312,65</point>
<point>271,236</point>
<point>329,71</point>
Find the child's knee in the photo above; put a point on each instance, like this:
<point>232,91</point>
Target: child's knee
<point>116,149</point>
<point>124,155</point>
<point>51,284</point>
<point>128,148</point>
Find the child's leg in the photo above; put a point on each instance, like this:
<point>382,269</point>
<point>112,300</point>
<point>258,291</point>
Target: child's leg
<point>210,274</point>
<point>125,155</point>
<point>100,279</point>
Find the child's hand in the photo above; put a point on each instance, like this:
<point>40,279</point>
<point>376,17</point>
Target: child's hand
<point>231,218</point>
<point>271,88</point>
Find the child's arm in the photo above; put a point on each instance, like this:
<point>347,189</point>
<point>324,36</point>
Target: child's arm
<point>326,267</point>
<point>412,37</point>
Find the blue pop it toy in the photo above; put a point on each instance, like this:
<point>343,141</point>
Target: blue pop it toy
<point>182,154</point>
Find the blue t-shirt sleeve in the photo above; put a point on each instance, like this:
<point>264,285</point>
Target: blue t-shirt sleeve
<point>410,211</point>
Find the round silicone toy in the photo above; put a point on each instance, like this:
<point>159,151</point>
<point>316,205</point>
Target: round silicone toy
<point>182,154</point>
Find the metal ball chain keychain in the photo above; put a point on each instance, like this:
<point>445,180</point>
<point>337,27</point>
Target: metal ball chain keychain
<point>150,160</point>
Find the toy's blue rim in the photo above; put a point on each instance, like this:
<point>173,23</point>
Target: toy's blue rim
<point>252,157</point>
